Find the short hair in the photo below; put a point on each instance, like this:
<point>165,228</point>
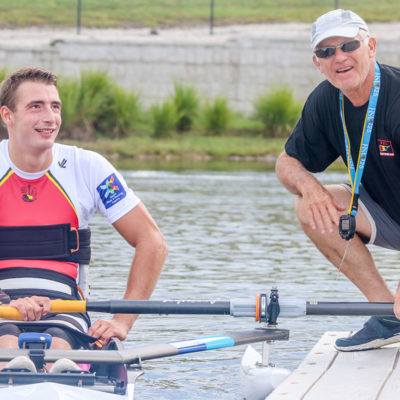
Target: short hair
<point>12,82</point>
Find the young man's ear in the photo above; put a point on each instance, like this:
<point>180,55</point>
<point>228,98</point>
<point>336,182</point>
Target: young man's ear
<point>6,115</point>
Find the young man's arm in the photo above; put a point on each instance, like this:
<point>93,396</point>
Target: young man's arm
<point>140,231</point>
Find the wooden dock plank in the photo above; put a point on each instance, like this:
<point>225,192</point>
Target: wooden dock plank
<point>391,390</point>
<point>355,375</point>
<point>328,374</point>
<point>310,370</point>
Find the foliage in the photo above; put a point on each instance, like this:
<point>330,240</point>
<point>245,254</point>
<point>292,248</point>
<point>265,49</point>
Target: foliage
<point>216,115</point>
<point>186,103</point>
<point>121,114</point>
<point>3,129</point>
<point>95,105</point>
<point>278,110</point>
<point>163,118</point>
<point>69,91</point>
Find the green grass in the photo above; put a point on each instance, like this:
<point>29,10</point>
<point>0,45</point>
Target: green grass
<point>136,13</point>
<point>222,153</point>
<point>190,147</point>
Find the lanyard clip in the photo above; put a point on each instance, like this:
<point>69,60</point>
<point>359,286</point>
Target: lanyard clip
<point>354,205</point>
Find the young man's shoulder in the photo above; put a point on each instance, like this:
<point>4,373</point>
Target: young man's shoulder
<point>76,152</point>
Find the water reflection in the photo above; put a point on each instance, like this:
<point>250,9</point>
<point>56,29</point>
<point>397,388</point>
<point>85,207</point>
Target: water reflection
<point>230,234</point>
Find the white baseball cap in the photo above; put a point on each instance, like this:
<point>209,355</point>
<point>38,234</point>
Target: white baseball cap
<point>344,23</point>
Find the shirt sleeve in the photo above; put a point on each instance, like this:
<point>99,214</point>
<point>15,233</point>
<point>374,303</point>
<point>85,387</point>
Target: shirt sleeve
<point>311,139</point>
<point>111,194</point>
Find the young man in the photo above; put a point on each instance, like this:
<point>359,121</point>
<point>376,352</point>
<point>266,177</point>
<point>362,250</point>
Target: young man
<point>354,114</point>
<point>48,193</point>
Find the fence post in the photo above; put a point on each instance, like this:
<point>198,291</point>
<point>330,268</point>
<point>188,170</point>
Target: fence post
<point>78,21</point>
<point>336,4</point>
<point>211,17</point>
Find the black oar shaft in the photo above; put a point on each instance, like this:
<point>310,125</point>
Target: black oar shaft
<point>349,308</point>
<point>160,307</point>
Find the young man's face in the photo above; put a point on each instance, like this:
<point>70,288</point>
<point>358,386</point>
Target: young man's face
<point>35,122</point>
<point>347,71</point>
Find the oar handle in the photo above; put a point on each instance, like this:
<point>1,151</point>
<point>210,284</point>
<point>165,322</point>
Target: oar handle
<point>57,306</point>
<point>68,306</point>
<point>8,312</point>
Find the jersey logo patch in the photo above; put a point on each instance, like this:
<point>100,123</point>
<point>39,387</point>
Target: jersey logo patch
<point>385,148</point>
<point>63,163</point>
<point>111,191</point>
<point>29,194</point>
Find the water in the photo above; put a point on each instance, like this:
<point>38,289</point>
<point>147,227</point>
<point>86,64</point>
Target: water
<point>230,235</point>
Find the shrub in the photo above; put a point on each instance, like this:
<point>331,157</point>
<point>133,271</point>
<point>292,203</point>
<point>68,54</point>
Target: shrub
<point>3,74</point>
<point>216,115</point>
<point>186,103</point>
<point>95,105</point>
<point>121,114</point>
<point>3,129</point>
<point>94,97</point>
<point>69,91</point>
<point>163,118</point>
<point>278,110</point>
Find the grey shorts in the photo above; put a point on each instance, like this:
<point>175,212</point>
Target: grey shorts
<point>385,232</point>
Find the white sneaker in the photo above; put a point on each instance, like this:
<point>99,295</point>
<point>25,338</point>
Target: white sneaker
<point>21,362</point>
<point>63,365</point>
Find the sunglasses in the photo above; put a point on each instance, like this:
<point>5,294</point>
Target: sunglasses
<point>347,47</point>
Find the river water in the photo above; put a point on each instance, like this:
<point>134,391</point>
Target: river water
<point>230,235</point>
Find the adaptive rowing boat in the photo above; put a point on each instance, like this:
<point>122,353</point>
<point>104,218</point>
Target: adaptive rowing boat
<point>113,371</point>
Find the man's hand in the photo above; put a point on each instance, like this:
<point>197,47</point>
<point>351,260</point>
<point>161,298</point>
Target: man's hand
<point>105,330</point>
<point>320,208</point>
<point>32,308</point>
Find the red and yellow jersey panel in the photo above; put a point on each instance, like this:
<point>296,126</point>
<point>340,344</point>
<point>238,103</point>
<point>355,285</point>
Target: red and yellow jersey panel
<point>40,201</point>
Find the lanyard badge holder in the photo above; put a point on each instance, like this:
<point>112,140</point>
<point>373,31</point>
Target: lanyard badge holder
<point>347,223</point>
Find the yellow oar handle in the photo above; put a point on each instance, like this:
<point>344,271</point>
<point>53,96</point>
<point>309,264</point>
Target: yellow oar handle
<point>57,306</point>
<point>8,312</point>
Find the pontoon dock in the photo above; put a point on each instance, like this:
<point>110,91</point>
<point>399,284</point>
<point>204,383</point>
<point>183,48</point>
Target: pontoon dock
<point>326,374</point>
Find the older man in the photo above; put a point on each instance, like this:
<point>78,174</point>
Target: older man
<point>354,114</point>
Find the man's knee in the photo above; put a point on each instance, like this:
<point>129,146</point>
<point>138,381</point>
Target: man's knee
<point>340,194</point>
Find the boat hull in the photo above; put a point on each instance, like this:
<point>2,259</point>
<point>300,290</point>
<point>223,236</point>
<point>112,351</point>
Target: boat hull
<point>56,391</point>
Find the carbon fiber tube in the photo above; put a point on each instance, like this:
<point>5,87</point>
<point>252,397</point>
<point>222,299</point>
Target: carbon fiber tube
<point>160,307</point>
<point>349,308</point>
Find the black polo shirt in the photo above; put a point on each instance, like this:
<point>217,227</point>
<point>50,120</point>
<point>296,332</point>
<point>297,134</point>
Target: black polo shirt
<point>318,139</point>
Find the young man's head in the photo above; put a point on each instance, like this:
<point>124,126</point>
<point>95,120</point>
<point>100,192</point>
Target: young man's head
<point>30,107</point>
<point>10,85</point>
